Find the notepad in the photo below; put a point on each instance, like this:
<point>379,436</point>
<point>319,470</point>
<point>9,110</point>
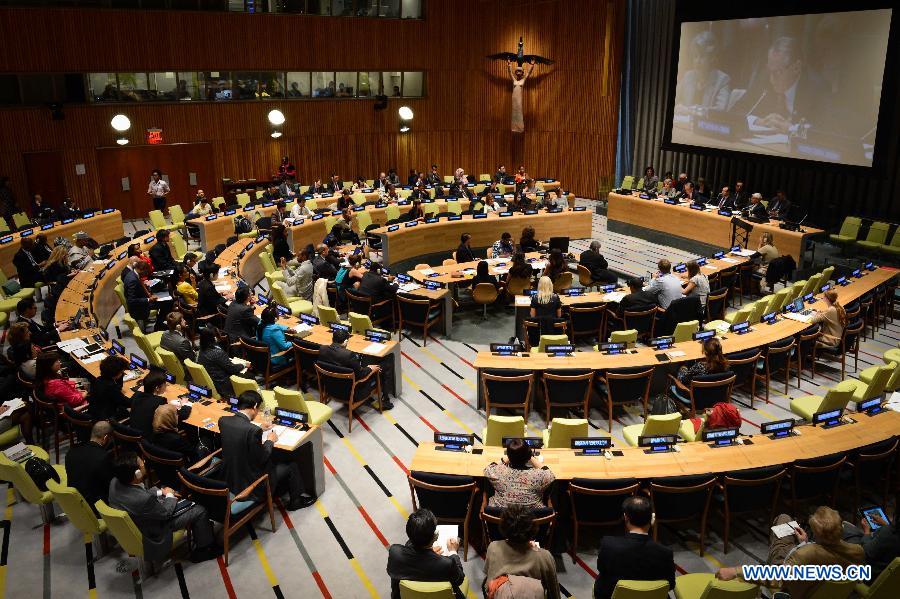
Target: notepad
<point>164,296</point>
<point>615,296</point>
<point>71,345</point>
<point>675,354</point>
<point>94,358</point>
<point>13,405</point>
<point>287,436</point>
<point>427,271</point>
<point>523,300</point>
<point>374,348</point>
<point>745,253</point>
<point>445,533</point>
<point>783,530</point>
<point>729,260</point>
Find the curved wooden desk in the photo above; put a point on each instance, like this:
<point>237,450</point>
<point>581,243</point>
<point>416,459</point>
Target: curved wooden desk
<point>443,236</point>
<point>629,214</point>
<point>101,227</point>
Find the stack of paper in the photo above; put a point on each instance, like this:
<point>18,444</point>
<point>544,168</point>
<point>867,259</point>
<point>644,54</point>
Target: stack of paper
<point>407,287</point>
<point>373,348</point>
<point>287,436</point>
<point>445,533</point>
<point>427,271</point>
<point>783,530</point>
<point>744,252</point>
<point>13,405</point>
<point>71,345</point>
<point>615,296</point>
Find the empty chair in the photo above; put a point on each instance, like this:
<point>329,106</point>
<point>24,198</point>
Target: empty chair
<point>587,320</point>
<point>878,383</point>
<point>485,294</point>
<point>684,331</point>
<point>79,513</point>
<point>240,384</point>
<point>641,589</point>
<point>814,479</point>
<point>561,431</point>
<point>743,364</point>
<point>706,586</point>
<point>418,311</point>
<point>288,399</point>
<point>704,391</point>
<point>835,398</point>
<point>628,336</point>
<point>749,491</point>
<point>499,427</point>
<point>567,389</point>
<point>654,425</point>
<point>506,389</point>
<point>449,497</point>
<point>886,586</point>
<point>597,502</point>
<point>876,236</point>
<point>848,232</point>
<point>545,340</point>
<point>623,386</point>
<point>776,358</point>
<point>642,321</point>
<point>14,472</point>
<point>680,499</point>
<point>715,304</point>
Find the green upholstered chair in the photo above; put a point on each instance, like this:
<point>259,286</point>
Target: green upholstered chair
<point>122,527</point>
<point>318,413</point>
<point>559,434</point>
<point>628,336</point>
<point>684,331</point>
<point>172,364</point>
<point>655,424</point>
<point>241,384</point>
<point>410,589</point>
<point>14,472</point>
<point>79,513</point>
<point>705,586</point>
<point>876,236</point>
<point>546,340</point>
<point>502,426</point>
<point>201,377</point>
<point>641,589</point>
<point>849,230</point>
<point>878,382</point>
<point>836,397</point>
<point>886,586</point>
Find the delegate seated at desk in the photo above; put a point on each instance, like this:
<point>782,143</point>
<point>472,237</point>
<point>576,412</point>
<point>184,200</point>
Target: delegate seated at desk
<point>160,253</point>
<point>665,286</point>
<point>241,320</point>
<point>338,354</point>
<point>594,261</point>
<point>637,300</point>
<point>464,252</point>
<point>724,201</point>
<point>779,206</point>
<point>756,209</point>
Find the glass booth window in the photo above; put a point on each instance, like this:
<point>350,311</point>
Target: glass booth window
<point>346,84</point>
<point>323,85</point>
<point>134,87</point>
<point>297,84</point>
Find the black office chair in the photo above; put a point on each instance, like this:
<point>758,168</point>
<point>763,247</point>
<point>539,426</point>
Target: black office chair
<point>681,499</point>
<point>418,311</point>
<point>777,357</point>
<point>704,391</point>
<point>567,389</point>
<point>715,304</point>
<point>449,497</point>
<point>340,384</point>
<point>749,491</point>
<point>597,502</point>
<point>506,389</point>
<point>587,320</point>
<point>544,520</point>
<point>622,386</point>
<point>814,479</point>
<point>163,463</point>
<point>306,354</point>
<point>873,467</point>
<point>743,365</point>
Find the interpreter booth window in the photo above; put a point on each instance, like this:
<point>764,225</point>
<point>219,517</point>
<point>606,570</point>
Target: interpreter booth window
<point>216,86</point>
<point>164,86</point>
<point>244,85</point>
<point>297,84</point>
<point>271,85</point>
<point>104,87</point>
<point>323,85</point>
<point>413,84</point>
<point>134,87</point>
<point>189,86</point>
<point>346,84</point>
<point>376,83</point>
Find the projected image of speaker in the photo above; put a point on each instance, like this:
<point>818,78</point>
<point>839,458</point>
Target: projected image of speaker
<point>805,86</point>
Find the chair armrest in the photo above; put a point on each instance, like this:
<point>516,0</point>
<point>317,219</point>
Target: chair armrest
<point>282,353</point>
<point>246,492</point>
<point>82,408</point>
<point>204,461</point>
<point>678,383</point>
<point>367,377</point>
<point>381,303</point>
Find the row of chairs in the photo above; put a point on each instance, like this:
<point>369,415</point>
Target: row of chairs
<point>20,220</point>
<point>875,242</point>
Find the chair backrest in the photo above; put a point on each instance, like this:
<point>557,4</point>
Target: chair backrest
<point>448,496</point>
<point>335,382</point>
<point>412,589</point>
<point>562,430</point>
<point>812,285</point>
<point>816,477</point>
<point>629,385</point>
<point>120,292</point>
<point>413,308</point>
<point>503,426</point>
<point>546,340</point>
<point>754,489</point>
<point>145,346</point>
<point>567,387</point>
<point>157,220</point>
<point>327,314</point>
<point>684,331</point>
<point>729,589</point>
<point>779,300</point>
<point>826,273</point>
<point>454,206</point>
<point>661,424</point>
<point>122,528</point>
<point>290,400</point>
<point>715,304</point>
<point>640,321</point>
<point>628,336</point>
<point>392,212</point>
<point>363,220</point>
<point>887,585</point>
<point>359,323</point>
<point>627,182</point>
<point>596,501</point>
<point>641,589</point>
<point>484,293</point>
<point>879,382</point>
<point>877,232</point>
<point>587,318</point>
<point>76,508</point>
<point>4,226</point>
<point>759,308</point>
<point>506,388</point>
<point>563,281</point>
<point>242,199</point>
<point>681,498</point>
<point>200,376</point>
<point>832,589</point>
<point>743,314</point>
<point>850,226</point>
<point>179,244</point>
<point>279,293</point>
<point>838,396</point>
<point>172,364</point>
<point>268,263</point>
<point>257,353</point>
<point>176,213</point>
<point>14,472</point>
<point>241,384</point>
<point>709,389</point>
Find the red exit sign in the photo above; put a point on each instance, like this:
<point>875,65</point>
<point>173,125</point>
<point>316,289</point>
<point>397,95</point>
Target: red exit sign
<point>154,136</point>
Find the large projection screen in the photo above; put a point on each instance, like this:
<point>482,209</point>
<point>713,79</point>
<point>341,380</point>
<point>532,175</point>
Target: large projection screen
<point>800,86</point>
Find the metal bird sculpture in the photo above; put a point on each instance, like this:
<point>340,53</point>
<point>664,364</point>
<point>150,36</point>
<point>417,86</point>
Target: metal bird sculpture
<point>520,57</point>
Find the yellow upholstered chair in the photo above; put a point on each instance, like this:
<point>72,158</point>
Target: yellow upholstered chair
<point>684,331</point>
<point>502,426</point>
<point>14,472</point>
<point>158,221</point>
<point>79,513</point>
<point>318,413</point>
<point>559,434</point>
<point>122,527</point>
<point>836,397</point>
<point>656,424</point>
<point>410,589</point>
<point>705,586</point>
<point>148,350</point>
<point>241,384</point>
<point>641,589</point>
<point>172,364</point>
<point>886,586</point>
<point>201,377</point>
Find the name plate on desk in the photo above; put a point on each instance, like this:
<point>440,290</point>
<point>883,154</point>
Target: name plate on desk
<point>829,418</point>
<point>228,212</point>
<point>778,429</point>
<point>452,441</point>
<point>505,214</point>
<point>333,212</point>
<point>108,210</point>
<point>579,208</point>
<point>210,217</point>
<point>393,228</point>
<point>480,215</point>
<point>66,221</point>
<point>411,223</point>
<point>318,217</point>
<point>721,437</point>
<point>718,255</point>
<point>531,212</point>
<point>429,221</point>
<point>590,445</point>
<point>46,227</point>
<point>612,349</point>
<point>267,204</point>
<point>725,213</point>
<point>671,201</point>
<point>358,208</point>
<point>574,291</point>
<point>26,232</point>
<point>698,207</point>
<point>740,328</point>
<point>249,208</point>
<point>701,261</point>
<point>657,443</point>
<point>455,217</point>
<point>433,285</point>
<point>87,215</point>
<point>680,267</point>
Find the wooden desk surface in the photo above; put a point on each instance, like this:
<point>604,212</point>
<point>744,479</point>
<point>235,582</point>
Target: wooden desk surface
<point>691,458</point>
<point>760,335</point>
<point>102,227</point>
<point>443,236</point>
<point>705,227</point>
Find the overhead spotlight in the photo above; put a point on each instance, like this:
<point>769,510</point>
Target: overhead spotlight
<point>276,117</point>
<point>405,113</point>
<point>122,141</point>
<point>120,123</point>
<point>276,134</point>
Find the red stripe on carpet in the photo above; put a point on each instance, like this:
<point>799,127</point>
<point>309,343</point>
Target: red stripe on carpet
<point>284,514</point>
<point>362,422</point>
<point>399,463</point>
<point>328,465</point>
<point>226,578</point>
<point>404,354</point>
<point>321,584</point>
<point>463,360</point>
<point>585,567</point>
<point>46,539</point>
<point>371,524</point>
<point>749,422</point>
<point>680,569</point>
<point>428,424</point>
<point>454,394</point>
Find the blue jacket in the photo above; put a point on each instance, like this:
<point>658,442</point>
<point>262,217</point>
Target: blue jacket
<point>273,336</point>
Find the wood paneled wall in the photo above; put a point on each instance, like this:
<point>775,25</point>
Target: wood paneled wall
<point>570,108</point>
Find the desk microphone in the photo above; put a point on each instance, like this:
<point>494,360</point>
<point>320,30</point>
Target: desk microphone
<point>749,112</point>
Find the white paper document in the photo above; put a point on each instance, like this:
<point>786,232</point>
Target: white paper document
<point>523,300</point>
<point>744,252</point>
<point>427,271</point>
<point>445,533</point>
<point>783,530</point>
<point>287,436</point>
<point>13,405</point>
<point>729,260</point>
<point>615,296</point>
<point>164,296</point>
<point>373,348</point>
<point>71,345</point>
<point>95,358</point>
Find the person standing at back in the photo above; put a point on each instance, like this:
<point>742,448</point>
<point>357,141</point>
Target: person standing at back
<point>158,190</point>
<point>634,556</point>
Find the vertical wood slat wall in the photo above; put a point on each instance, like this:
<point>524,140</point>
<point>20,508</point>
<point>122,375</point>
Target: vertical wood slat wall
<point>570,108</point>
<point>828,193</point>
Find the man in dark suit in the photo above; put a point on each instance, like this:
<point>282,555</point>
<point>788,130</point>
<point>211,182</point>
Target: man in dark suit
<point>26,264</point>
<point>688,194</point>
<point>635,556</point>
<point>417,560</point>
<point>89,465</point>
<point>40,335</point>
<point>379,289</point>
<point>240,319</point>
<point>160,253</point>
<point>138,298</point>
<point>156,512</point>
<point>724,201</point>
<point>683,179</point>
<point>247,456</point>
<point>594,261</point>
<point>338,354</point>
<point>464,252</point>
<point>779,206</point>
<point>150,397</point>
<point>756,209</point>
<point>741,198</point>
<point>638,300</point>
<point>335,185</point>
<point>317,188</point>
